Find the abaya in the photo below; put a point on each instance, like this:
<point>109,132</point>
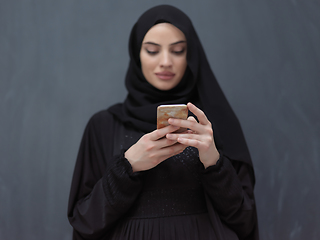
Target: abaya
<point>179,198</point>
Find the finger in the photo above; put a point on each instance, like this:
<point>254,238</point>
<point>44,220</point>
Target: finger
<point>172,150</point>
<point>190,142</point>
<point>165,142</point>
<point>160,133</point>
<point>186,131</point>
<point>199,113</point>
<point>174,137</point>
<point>191,118</point>
<point>193,125</point>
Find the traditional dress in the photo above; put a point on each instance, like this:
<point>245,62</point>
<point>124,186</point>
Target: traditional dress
<point>178,199</point>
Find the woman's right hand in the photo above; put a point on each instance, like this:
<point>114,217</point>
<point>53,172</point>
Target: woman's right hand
<point>152,149</point>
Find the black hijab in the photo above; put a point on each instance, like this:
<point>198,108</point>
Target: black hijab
<point>198,86</point>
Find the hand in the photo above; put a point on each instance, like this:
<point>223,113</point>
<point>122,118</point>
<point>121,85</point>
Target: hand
<point>153,148</point>
<point>200,135</point>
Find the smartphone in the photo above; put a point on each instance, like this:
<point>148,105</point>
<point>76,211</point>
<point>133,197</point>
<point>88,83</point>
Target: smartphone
<point>164,112</point>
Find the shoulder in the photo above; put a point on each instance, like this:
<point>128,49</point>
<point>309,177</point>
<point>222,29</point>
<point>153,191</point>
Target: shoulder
<point>101,122</point>
<point>104,120</point>
<point>105,115</point>
<point>101,117</point>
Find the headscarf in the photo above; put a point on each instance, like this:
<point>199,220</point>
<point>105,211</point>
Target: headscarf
<point>198,85</point>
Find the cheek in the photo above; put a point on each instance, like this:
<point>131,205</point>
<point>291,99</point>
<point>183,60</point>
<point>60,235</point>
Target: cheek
<point>147,63</point>
<point>147,66</point>
<point>144,64</point>
<point>182,65</point>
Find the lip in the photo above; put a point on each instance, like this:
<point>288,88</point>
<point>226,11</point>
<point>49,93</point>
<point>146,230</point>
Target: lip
<point>165,75</point>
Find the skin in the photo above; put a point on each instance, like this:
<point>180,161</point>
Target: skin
<point>159,53</point>
<point>164,49</point>
<point>200,135</point>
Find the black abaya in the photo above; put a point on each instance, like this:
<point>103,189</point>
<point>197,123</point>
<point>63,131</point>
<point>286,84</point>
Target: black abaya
<point>178,199</point>
<point>108,201</point>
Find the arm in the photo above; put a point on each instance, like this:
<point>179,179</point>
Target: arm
<point>103,186</point>
<point>228,183</point>
<point>230,189</point>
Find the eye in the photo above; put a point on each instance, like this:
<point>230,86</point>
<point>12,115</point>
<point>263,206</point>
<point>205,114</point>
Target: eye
<point>151,52</point>
<point>178,52</point>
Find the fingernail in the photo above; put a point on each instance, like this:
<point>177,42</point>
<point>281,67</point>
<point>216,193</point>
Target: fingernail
<point>169,136</point>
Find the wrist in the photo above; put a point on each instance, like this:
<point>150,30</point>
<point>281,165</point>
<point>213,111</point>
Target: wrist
<point>210,159</point>
<point>129,159</point>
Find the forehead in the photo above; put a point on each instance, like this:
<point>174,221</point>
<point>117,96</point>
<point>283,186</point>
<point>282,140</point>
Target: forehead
<point>164,32</point>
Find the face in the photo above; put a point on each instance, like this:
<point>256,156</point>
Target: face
<point>163,56</point>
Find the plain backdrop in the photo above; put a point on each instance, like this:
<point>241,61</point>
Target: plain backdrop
<point>63,60</point>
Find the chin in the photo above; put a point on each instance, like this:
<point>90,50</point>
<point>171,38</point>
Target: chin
<point>165,87</point>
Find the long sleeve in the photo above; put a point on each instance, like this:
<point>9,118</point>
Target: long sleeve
<point>229,185</point>
<point>103,186</point>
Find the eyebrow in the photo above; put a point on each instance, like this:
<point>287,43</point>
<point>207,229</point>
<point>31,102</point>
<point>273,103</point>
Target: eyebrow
<point>175,43</point>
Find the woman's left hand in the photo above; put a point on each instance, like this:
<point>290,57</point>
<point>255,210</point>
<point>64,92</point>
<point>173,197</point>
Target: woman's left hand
<point>200,135</point>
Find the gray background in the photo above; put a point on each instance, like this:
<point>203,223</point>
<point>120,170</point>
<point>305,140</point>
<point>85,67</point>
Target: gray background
<point>63,60</point>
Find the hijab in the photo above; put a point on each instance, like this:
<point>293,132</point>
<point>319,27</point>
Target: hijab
<point>198,86</point>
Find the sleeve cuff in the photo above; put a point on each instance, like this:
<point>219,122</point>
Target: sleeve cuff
<point>126,165</point>
<point>214,168</point>
<point>120,184</point>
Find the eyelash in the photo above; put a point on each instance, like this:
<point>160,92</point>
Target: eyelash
<point>179,52</point>
<point>151,52</point>
<point>174,52</point>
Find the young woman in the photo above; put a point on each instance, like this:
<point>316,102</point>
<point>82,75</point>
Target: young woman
<point>132,181</point>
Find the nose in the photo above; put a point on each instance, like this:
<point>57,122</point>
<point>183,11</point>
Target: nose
<point>165,59</point>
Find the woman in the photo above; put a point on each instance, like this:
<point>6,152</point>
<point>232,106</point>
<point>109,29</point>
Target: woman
<point>132,181</point>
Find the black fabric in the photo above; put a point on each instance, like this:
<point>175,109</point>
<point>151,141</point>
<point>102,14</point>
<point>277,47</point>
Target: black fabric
<point>104,189</point>
<point>104,192</point>
<point>198,85</point>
